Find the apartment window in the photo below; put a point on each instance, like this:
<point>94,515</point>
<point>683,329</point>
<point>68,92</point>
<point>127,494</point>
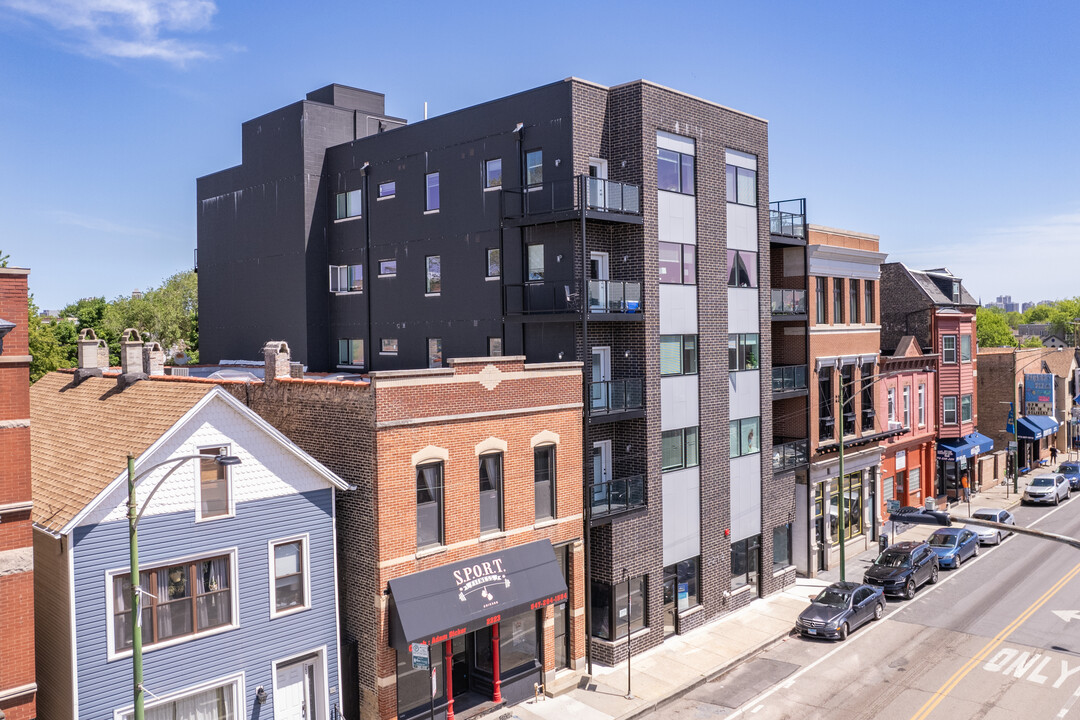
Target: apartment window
<point>388,346</point>
<point>892,405</point>
<point>907,406</point>
<point>948,349</point>
<point>965,408</point>
<point>351,352</point>
<point>495,347</point>
<point>826,422</point>
<point>679,449</point>
<point>432,195</point>
<point>216,703</point>
<point>678,355</point>
<point>956,291</point>
<point>534,167</point>
<point>614,612</point>
<point>493,173</point>
<point>348,204</point>
<point>745,562</point>
<point>743,352</point>
<point>922,404</point>
<point>741,185</point>
<point>387,189</point>
<point>491,489</point>
<point>868,301</point>
<point>429,504</point>
<point>819,296</point>
<point>535,269</point>
<point>781,547</point>
<point>290,575</point>
<point>179,600</point>
<point>678,263</point>
<point>433,275</point>
<point>434,352</point>
<point>387,268</point>
<point>745,436</point>
<point>948,410</point>
<point>215,496</point>
<point>494,263</point>
<point>346,278</point>
<point>674,171</point>
<point>965,348</point>
<point>866,378</point>
<point>853,301</point>
<point>838,300</point>
<point>742,269</point>
<point>684,576</point>
<point>847,396</point>
<point>544,481</point>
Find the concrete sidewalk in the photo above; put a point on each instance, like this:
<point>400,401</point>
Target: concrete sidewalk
<point>685,661</point>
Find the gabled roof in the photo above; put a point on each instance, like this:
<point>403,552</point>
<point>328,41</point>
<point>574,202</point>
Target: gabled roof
<point>1060,363</point>
<point>908,347</point>
<point>923,279</point>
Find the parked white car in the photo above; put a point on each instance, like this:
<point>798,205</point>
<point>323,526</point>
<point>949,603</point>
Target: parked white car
<point>992,535</point>
<point>1047,489</point>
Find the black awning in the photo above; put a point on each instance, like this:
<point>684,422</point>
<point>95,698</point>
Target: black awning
<point>438,604</point>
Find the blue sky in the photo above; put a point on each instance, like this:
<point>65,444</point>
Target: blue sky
<point>945,128</point>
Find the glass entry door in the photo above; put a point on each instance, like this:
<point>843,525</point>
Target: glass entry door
<point>671,604</point>
<point>562,613</point>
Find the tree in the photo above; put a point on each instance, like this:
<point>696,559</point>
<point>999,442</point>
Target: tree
<point>168,314</point>
<point>1032,342</point>
<point>3,259</point>
<point>992,330</point>
<point>46,352</point>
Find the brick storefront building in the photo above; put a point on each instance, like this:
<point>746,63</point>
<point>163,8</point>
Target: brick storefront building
<point>17,685</point>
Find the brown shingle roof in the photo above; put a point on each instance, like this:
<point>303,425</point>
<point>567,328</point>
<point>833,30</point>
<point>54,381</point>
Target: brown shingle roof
<point>80,436</point>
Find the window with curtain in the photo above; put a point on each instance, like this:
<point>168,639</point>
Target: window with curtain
<point>847,395</point>
<point>217,703</point>
<point>678,263</point>
<point>678,355</point>
<point>429,504</point>
<point>387,189</point>
<point>544,481</point>
<point>491,488</point>
<point>289,576</point>
<point>213,484</point>
<point>741,185</point>
<point>742,269</point>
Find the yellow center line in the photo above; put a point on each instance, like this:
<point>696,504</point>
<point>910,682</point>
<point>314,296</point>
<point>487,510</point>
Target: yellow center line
<point>970,665</point>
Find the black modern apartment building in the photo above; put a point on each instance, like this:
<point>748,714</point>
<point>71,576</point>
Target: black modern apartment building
<point>626,227</point>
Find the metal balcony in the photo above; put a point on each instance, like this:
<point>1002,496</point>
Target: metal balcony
<point>791,454</point>
<point>612,400</point>
<point>617,496</point>
<point>789,379</point>
<point>788,303</point>
<point>614,296</point>
<point>787,221</point>
<point>559,200</point>
<point>615,300</point>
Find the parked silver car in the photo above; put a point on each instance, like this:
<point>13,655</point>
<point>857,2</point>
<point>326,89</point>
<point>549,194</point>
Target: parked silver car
<point>992,535</point>
<point>1047,489</point>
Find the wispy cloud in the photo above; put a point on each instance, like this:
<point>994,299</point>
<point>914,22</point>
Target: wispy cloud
<point>126,28</point>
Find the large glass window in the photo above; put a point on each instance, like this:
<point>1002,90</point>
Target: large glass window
<point>965,348</point>
<point>948,349</point>
<point>493,173</point>
<point>745,436</point>
<point>214,500</point>
<point>743,352</point>
<point>853,301</point>
<point>346,278</point>
<point>351,352</point>
<point>544,481</point>
<point>432,194</point>
<point>414,685</point>
<point>678,263</point>
<point>535,255</point>
<point>838,300</point>
<point>853,514</point>
<point>685,576</point>
<point>217,703</point>
<point>534,167</point>
<point>847,396</point>
<point>433,276</point>
<point>965,408</point>
<point>679,448</point>
<point>742,269</point>
<point>745,561</point>
<point>781,547</point>
<point>429,504</point>
<point>491,485</point>
<point>866,377</point>
<point>518,643</point>
<point>820,301</point>
<point>678,355</point>
<point>614,612</point>
<point>348,204</point>
<point>290,568</point>
<point>741,185</point>
<point>826,416</point>
<point>674,171</point>
<point>948,410</point>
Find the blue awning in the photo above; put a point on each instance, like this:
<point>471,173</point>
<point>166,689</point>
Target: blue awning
<point>956,448</point>
<point>982,443</point>
<point>1036,427</point>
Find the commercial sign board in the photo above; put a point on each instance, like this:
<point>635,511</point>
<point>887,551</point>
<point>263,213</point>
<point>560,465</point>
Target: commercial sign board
<point>1039,394</point>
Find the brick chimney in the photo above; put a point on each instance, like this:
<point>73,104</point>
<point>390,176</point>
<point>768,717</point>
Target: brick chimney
<point>276,355</point>
<point>153,359</point>
<point>93,353</point>
<point>131,354</point>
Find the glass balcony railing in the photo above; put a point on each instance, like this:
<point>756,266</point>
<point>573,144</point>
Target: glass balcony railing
<point>788,218</point>
<point>615,396</point>
<point>614,296</point>
<point>572,194</point>
<point>788,302</point>
<point>611,196</point>
<point>617,495</point>
<point>787,455</point>
<point>786,378</point>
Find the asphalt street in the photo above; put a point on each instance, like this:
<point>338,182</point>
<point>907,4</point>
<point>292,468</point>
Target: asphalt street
<point>998,638</point>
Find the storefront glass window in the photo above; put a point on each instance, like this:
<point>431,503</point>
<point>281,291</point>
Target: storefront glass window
<point>414,686</point>
<point>685,574</point>
<point>517,643</point>
<point>781,547</point>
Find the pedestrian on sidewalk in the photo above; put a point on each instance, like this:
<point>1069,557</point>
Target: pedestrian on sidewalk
<point>1053,454</point>
<point>964,484</point>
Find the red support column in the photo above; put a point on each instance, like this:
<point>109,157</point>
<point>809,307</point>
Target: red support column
<point>497,695</point>
<point>448,655</point>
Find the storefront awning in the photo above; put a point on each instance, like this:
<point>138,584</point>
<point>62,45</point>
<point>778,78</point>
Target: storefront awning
<point>982,443</point>
<point>956,448</point>
<point>457,598</point>
<point>1035,427</point>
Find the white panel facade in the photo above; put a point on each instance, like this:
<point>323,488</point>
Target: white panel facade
<point>742,310</point>
<point>678,309</point>
<point>745,496</point>
<point>745,398</point>
<point>679,402</point>
<point>682,515</point>
<point>742,227</point>
<point>741,159</point>
<point>678,143</point>
<point>677,217</point>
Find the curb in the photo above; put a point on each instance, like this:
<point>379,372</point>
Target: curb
<point>697,682</point>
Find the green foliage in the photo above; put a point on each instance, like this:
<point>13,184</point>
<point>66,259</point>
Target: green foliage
<point>46,351</point>
<point>1013,318</point>
<point>1032,342</point>
<point>992,329</point>
<point>3,259</point>
<point>1037,314</point>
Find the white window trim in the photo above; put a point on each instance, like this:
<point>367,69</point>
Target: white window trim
<point>922,405</point>
<point>323,698</point>
<point>113,654</point>
<point>236,680</point>
<point>431,453</point>
<point>305,551</point>
<point>228,482</point>
<point>491,445</point>
<point>544,437</point>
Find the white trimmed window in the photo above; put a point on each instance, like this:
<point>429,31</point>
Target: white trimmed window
<point>348,204</point>
<point>346,278</point>
<point>290,586</point>
<point>214,492</point>
<point>211,701</point>
<point>387,189</point>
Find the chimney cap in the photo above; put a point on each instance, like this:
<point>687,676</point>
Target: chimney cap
<point>277,346</point>
<point>131,335</point>
<point>87,334</point>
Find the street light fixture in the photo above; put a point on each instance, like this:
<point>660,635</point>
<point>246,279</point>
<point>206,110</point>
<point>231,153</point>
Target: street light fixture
<point>134,515</point>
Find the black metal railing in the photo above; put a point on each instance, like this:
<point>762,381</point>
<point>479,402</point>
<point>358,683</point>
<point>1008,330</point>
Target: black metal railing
<point>572,194</point>
<point>614,296</point>
<point>788,302</point>
<point>611,196</point>
<point>790,454</point>
<point>788,218</point>
<point>617,495</point>
<point>610,396</point>
<point>541,298</point>
<point>786,378</point>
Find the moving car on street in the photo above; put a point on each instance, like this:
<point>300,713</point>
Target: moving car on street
<point>992,535</point>
<point>1071,471</point>
<point>902,568</point>
<point>1047,489</point>
<point>839,609</point>
<point>953,545</point>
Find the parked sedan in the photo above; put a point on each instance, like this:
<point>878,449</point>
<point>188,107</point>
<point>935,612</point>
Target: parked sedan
<point>1047,489</point>
<point>992,535</point>
<point>1071,471</point>
<point>840,608</point>
<point>902,568</point>
<point>953,545</point>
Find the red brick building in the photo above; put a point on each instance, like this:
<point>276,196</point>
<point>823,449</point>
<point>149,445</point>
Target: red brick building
<point>17,685</point>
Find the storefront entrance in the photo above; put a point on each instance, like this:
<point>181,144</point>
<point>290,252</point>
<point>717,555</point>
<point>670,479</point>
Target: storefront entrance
<point>671,604</point>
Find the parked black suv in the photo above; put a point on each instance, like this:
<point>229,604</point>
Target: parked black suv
<point>902,568</point>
